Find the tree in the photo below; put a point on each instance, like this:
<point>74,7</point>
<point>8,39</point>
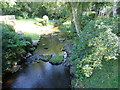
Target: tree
<point>77,10</point>
<point>75,18</point>
<point>114,8</point>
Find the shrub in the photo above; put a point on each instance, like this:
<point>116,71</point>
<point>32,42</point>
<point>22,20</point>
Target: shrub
<point>42,22</point>
<point>69,30</point>
<point>113,22</point>
<point>59,22</point>
<point>6,27</point>
<point>84,20</point>
<point>24,15</point>
<point>14,47</point>
<point>97,43</point>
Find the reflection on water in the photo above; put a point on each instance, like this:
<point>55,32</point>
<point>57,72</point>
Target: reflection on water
<point>41,75</point>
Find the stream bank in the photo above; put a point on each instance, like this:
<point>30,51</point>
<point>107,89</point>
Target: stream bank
<point>46,63</point>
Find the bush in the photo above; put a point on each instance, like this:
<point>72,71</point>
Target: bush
<point>24,15</point>
<point>59,22</point>
<point>69,30</point>
<point>42,22</point>
<point>84,20</point>
<point>6,27</point>
<point>97,43</point>
<point>113,22</point>
<point>14,47</point>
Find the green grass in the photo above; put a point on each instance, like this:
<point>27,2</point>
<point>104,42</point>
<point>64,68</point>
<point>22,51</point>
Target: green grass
<point>56,59</point>
<point>32,20</point>
<point>51,23</point>
<point>107,77</point>
<point>33,36</point>
<point>26,20</point>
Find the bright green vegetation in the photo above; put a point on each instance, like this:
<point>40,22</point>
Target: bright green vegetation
<point>96,45</point>
<point>96,40</point>
<point>26,20</point>
<point>15,46</point>
<point>91,26</point>
<point>61,38</point>
<point>56,59</point>
<point>33,36</point>
<point>106,77</point>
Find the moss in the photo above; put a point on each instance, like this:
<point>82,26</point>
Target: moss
<point>56,59</point>
<point>61,38</point>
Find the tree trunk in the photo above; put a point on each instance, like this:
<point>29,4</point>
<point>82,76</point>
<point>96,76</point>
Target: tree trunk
<point>114,8</point>
<point>75,19</point>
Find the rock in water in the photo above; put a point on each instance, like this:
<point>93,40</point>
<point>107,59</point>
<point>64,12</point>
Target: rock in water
<point>16,68</point>
<point>65,56</point>
<point>28,55</point>
<point>35,42</point>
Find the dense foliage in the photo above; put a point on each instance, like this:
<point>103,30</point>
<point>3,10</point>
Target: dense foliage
<point>85,19</point>
<point>14,45</point>
<point>23,10</point>
<point>34,9</point>
<point>113,22</point>
<point>92,27</point>
<point>96,43</point>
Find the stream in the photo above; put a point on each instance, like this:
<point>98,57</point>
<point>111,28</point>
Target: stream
<point>41,74</point>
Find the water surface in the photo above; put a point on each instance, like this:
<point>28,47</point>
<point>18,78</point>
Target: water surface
<point>42,74</point>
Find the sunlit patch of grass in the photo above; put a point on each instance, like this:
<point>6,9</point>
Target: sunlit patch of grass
<point>26,20</point>
<point>29,26</point>
<point>33,36</point>
<point>32,20</point>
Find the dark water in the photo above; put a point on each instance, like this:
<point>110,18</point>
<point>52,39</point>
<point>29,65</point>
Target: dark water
<point>42,74</point>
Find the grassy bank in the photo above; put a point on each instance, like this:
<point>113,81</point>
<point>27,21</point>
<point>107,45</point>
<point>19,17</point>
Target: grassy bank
<point>107,77</point>
<point>33,36</point>
<point>26,20</point>
<point>28,23</point>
